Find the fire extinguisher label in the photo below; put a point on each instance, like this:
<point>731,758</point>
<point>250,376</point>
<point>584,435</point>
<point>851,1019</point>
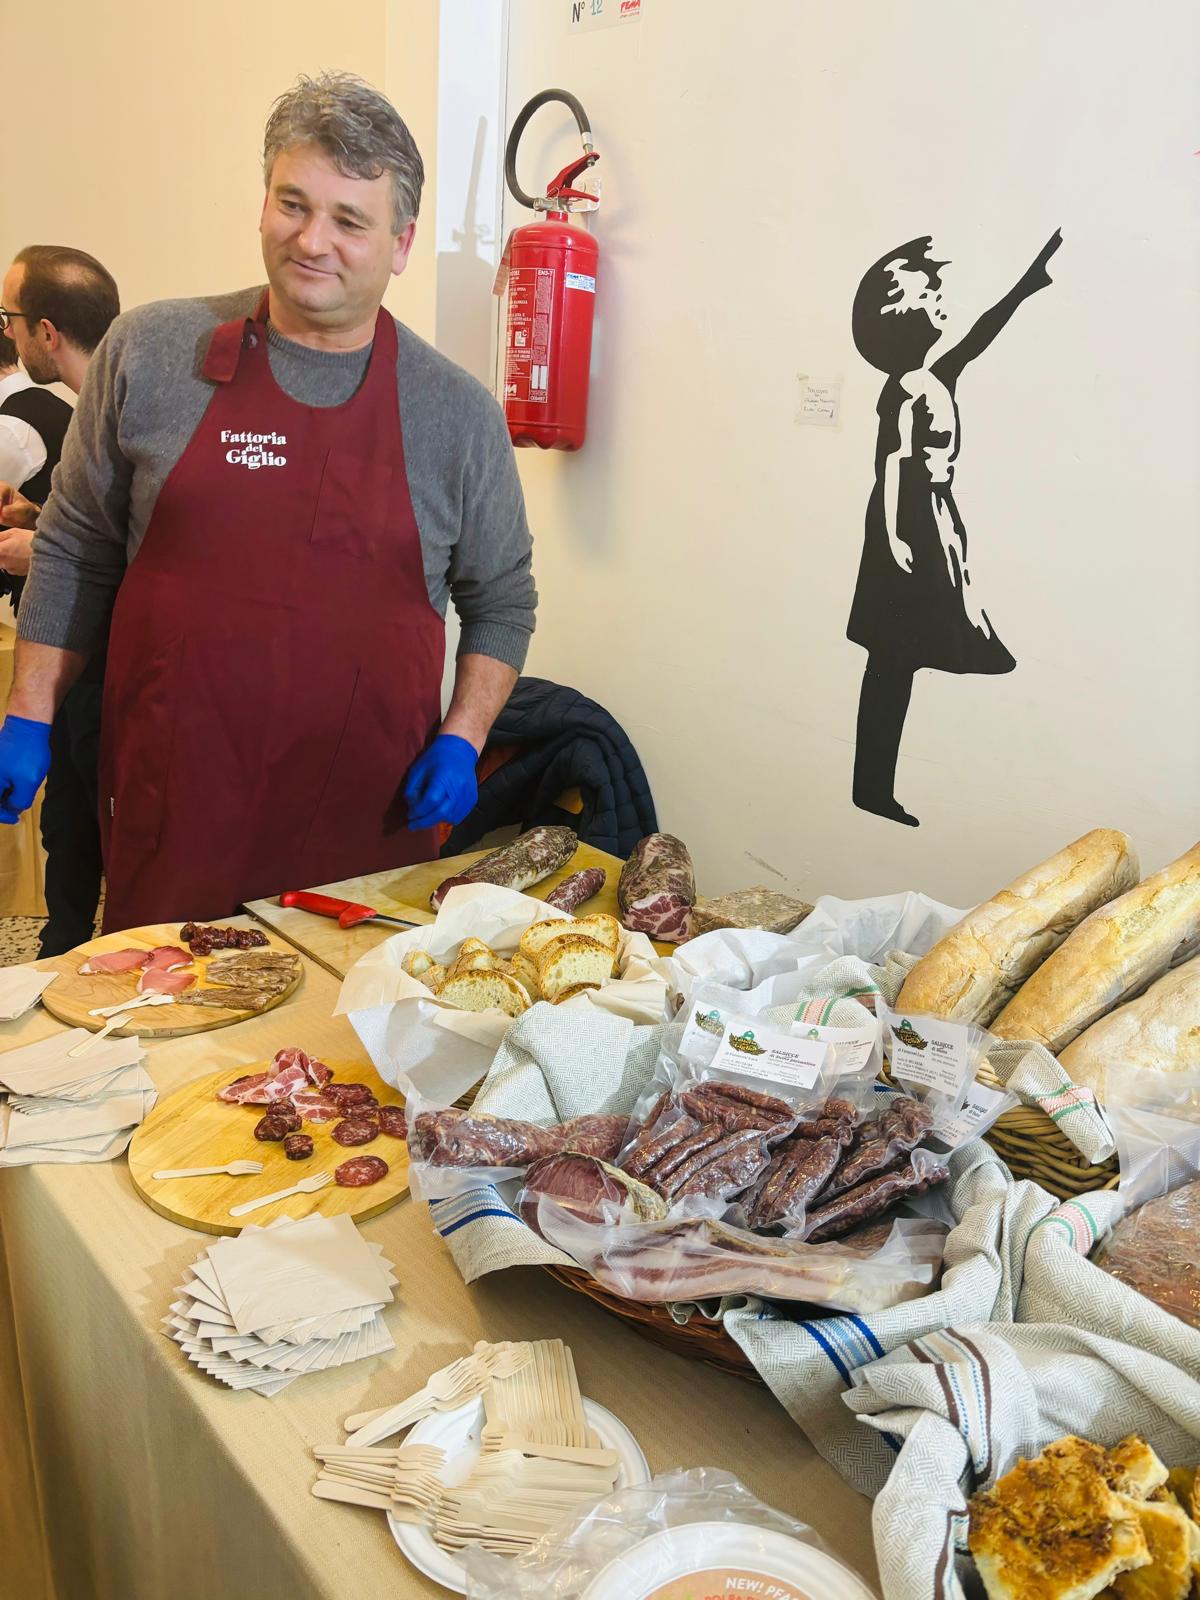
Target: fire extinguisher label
<point>580,280</point>
<point>527,358</point>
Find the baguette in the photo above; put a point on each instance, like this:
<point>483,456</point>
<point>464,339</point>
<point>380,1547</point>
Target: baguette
<point>1111,957</point>
<point>974,971</point>
<point>1159,1032</point>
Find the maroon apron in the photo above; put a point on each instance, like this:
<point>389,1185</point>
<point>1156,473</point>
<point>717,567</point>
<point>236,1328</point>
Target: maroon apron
<point>274,663</point>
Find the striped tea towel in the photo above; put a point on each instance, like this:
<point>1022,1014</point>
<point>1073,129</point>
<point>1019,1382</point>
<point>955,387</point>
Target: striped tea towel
<point>1088,1355</point>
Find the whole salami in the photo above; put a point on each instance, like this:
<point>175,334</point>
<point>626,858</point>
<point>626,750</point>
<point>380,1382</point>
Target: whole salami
<point>527,860</point>
<point>657,889</point>
<point>393,1121</point>
<point>360,1171</point>
<point>355,1131</point>
<point>580,886</point>
<point>298,1146</point>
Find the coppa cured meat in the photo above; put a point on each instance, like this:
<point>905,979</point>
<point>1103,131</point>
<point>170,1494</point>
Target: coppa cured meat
<point>580,886</point>
<point>527,860</point>
<point>588,1188</point>
<point>360,1171</point>
<point>315,1107</point>
<point>358,1130</point>
<point>657,888</point>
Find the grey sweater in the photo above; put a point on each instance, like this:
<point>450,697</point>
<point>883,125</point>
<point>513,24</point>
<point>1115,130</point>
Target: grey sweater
<point>143,398</point>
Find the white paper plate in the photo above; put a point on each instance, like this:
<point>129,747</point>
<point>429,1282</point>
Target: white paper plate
<point>653,1570</point>
<point>458,1433</point>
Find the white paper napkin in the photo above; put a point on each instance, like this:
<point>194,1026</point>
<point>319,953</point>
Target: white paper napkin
<point>317,1266</point>
<point>44,1067</point>
<point>20,988</point>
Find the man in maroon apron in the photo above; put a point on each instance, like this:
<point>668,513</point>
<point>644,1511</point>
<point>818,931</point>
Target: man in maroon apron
<point>274,495</point>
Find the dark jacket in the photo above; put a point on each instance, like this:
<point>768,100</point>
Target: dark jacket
<point>564,741</point>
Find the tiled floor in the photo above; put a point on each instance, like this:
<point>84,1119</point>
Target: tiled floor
<point>19,936</point>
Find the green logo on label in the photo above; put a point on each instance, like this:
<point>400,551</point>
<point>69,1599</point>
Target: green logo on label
<point>746,1043</point>
<point>908,1035</point>
<point>710,1021</point>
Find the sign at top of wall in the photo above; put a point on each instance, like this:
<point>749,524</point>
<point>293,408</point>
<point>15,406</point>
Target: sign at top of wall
<point>585,14</point>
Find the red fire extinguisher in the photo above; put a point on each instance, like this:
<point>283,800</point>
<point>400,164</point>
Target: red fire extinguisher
<point>551,280</point>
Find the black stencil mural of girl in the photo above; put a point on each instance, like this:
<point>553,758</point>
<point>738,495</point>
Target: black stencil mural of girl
<point>914,605</point>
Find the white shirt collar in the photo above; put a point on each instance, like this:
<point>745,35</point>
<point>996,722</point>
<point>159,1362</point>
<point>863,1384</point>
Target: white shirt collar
<point>14,384</point>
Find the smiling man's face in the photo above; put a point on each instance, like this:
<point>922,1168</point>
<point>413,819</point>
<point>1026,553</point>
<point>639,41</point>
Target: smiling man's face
<point>327,240</point>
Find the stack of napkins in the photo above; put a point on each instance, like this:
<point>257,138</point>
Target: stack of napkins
<point>72,1109</point>
<point>263,1309</point>
<point>20,987</point>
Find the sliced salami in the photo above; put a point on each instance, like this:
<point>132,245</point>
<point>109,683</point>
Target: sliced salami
<point>298,1146</point>
<point>355,1130</point>
<point>269,1128</point>
<point>360,1171</point>
<point>392,1120</point>
<point>350,1094</point>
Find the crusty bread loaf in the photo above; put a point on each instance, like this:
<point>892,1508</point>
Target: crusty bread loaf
<point>972,973</point>
<point>1111,956</point>
<point>1159,1032</point>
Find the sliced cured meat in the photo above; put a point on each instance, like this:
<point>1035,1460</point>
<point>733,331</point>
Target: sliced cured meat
<point>657,889</point>
<point>298,1146</point>
<point>360,1171</point>
<point>355,1131</point>
<point>285,1114</point>
<point>314,1107</point>
<point>527,860</point>
<point>269,1128</point>
<point>292,1056</point>
<point>235,1093</point>
<point>168,956</point>
<point>115,961</point>
<point>318,1072</point>
<point>231,999</point>
<point>157,980</point>
<point>393,1121</point>
<point>350,1094</point>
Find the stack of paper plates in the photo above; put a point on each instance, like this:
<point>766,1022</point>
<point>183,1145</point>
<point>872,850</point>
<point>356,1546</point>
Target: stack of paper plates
<point>720,1558</point>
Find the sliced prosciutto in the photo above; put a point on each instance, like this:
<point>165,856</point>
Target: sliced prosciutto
<point>169,957</point>
<point>157,980</point>
<point>238,1092</point>
<point>116,961</point>
<point>292,1075</point>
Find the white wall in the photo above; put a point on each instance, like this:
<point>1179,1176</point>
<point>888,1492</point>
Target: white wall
<point>697,560</point>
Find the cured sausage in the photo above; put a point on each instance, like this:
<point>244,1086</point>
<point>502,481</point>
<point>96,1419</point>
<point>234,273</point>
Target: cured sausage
<point>600,1135</point>
<point>298,1146</point>
<point>357,1130</point>
<point>392,1121</point>
<point>871,1199</point>
<point>689,1177</point>
<point>360,1171</point>
<point>881,1144</point>
<point>350,1094</point>
<point>643,1156</point>
<point>456,1138</point>
<point>580,886</point>
<point>527,860</point>
<point>657,888</point>
<point>269,1128</point>
<point>811,1169</point>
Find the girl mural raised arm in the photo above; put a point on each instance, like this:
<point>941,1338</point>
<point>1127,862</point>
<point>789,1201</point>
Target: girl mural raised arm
<point>914,605</point>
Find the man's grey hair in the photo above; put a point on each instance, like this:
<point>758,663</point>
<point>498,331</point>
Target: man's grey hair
<point>358,129</point>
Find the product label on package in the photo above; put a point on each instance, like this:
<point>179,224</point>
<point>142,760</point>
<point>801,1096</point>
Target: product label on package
<point>755,1052</point>
<point>977,1113</point>
<point>705,1028</point>
<point>852,1047</point>
<point>729,1583</point>
<point>928,1052</point>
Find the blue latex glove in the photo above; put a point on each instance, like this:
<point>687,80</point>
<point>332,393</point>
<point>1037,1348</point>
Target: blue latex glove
<point>24,763</point>
<point>441,785</point>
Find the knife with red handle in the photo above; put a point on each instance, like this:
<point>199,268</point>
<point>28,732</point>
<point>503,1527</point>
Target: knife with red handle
<point>346,913</point>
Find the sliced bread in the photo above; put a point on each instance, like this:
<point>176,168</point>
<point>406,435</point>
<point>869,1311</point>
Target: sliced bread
<point>575,959</point>
<point>482,991</point>
<point>576,988</point>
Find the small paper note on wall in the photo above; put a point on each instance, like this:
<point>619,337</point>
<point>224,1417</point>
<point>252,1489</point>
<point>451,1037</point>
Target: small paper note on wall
<point>583,15</point>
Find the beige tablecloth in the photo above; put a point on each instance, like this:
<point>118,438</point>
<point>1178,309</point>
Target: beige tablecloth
<point>153,1482</point>
<point>22,859</point>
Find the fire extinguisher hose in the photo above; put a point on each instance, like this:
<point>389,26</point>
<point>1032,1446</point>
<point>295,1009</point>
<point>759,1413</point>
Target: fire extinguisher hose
<point>518,128</point>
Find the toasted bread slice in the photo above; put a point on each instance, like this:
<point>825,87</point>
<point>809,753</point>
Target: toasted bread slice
<point>1184,1484</point>
<point>1052,1529</point>
<point>417,962</point>
<point>481,991</point>
<point>1170,1536</point>
<point>525,972</point>
<point>576,988</point>
<point>572,961</point>
<point>600,926</point>
<point>434,977</point>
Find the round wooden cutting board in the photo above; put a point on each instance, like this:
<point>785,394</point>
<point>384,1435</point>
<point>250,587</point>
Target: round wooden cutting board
<point>192,1128</point>
<point>73,994</point>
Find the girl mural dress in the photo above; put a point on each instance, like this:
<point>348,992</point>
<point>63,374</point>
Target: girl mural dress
<point>914,605</point>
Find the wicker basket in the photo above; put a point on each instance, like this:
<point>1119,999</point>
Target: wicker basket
<point>1033,1146</point>
<point>698,1339</point>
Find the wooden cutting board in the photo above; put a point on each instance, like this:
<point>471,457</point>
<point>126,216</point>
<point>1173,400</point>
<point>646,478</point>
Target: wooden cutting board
<point>192,1128</point>
<point>73,994</point>
<point>410,887</point>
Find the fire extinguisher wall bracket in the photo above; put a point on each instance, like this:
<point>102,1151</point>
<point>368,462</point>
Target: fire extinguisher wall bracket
<point>551,283</point>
